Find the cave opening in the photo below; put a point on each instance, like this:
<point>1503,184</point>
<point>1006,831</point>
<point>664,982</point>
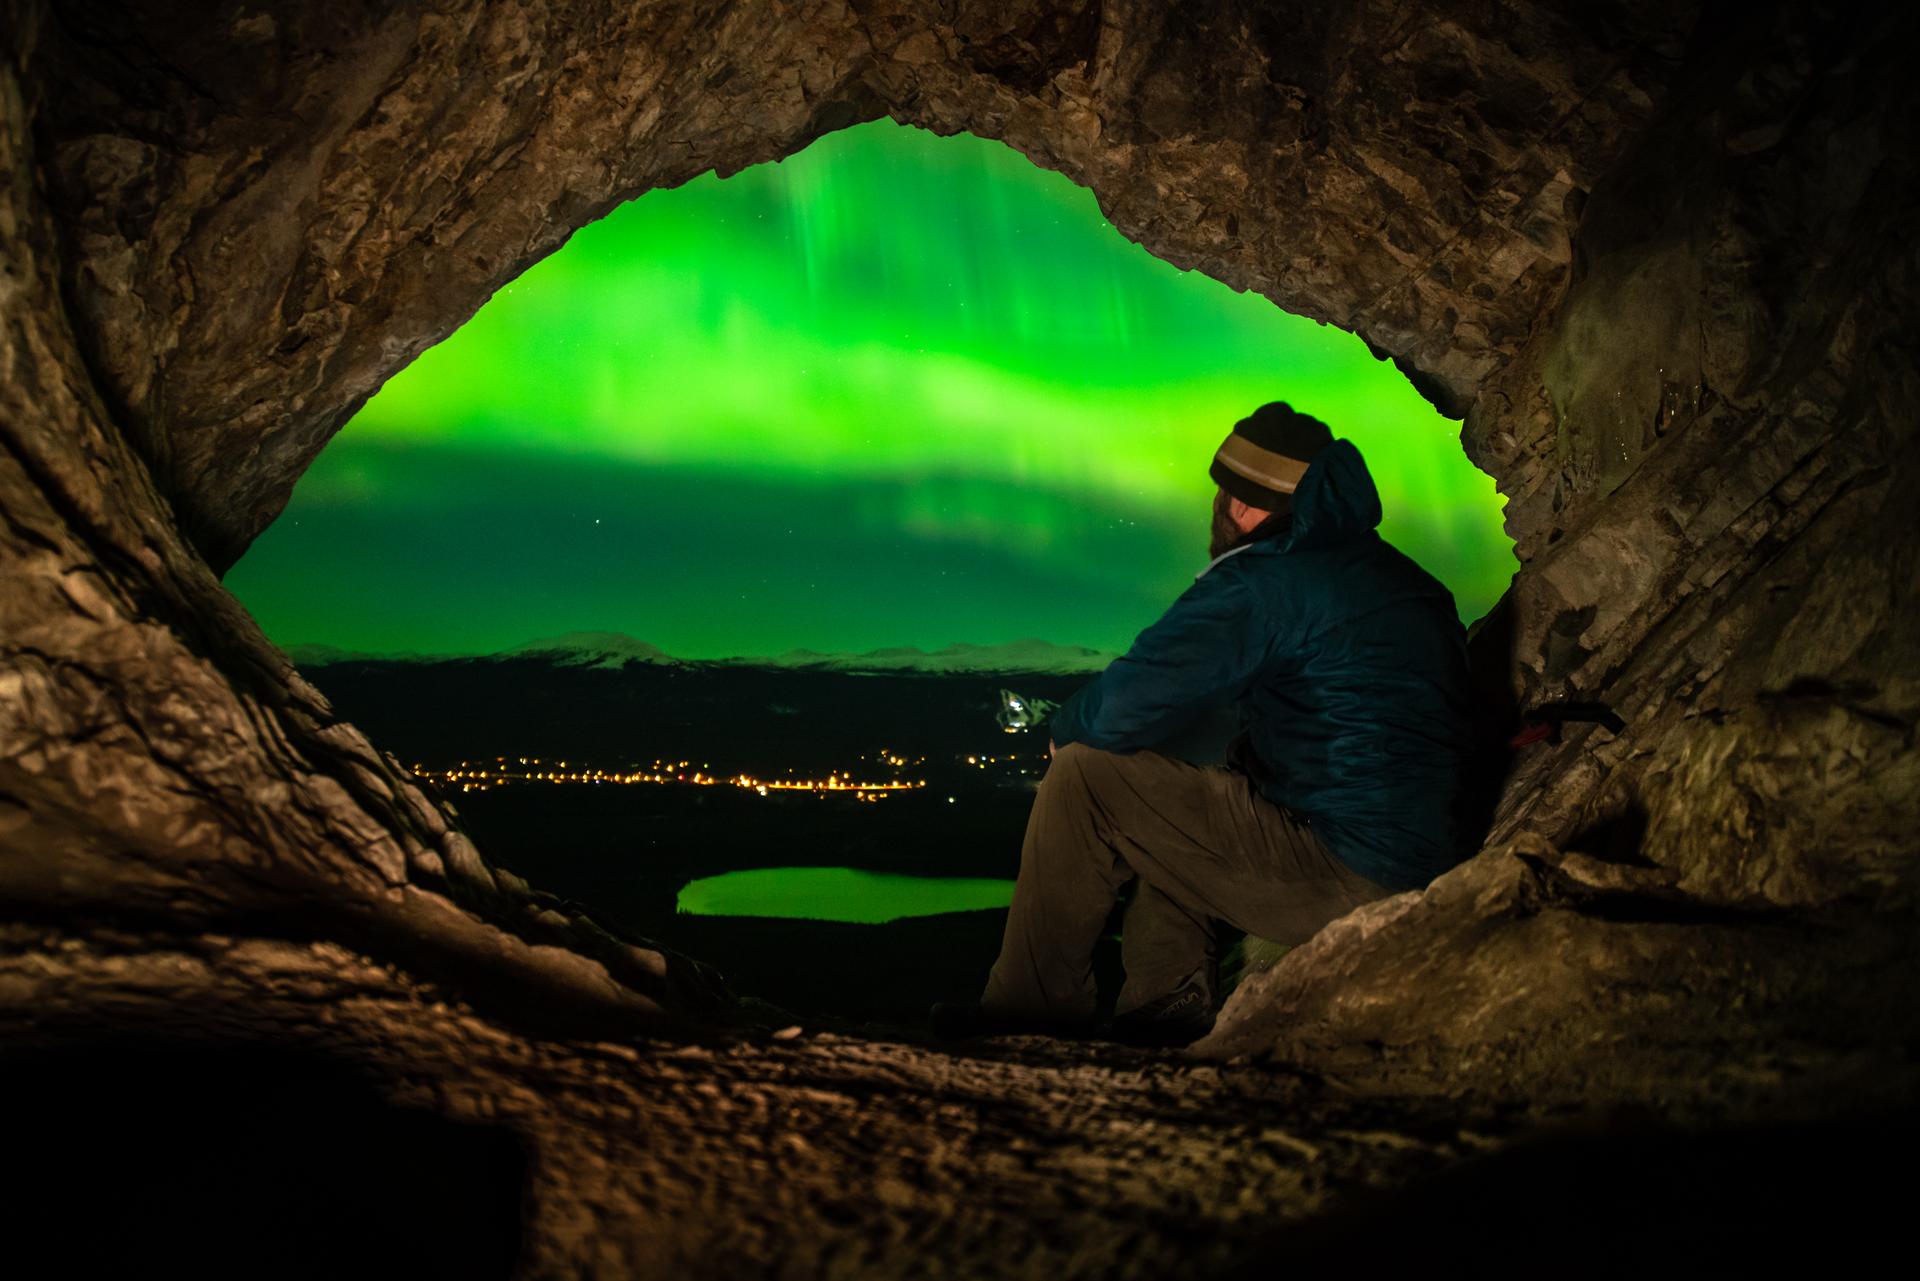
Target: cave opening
<point>899,405</point>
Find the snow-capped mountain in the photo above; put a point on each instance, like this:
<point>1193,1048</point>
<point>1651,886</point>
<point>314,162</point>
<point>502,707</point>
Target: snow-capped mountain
<point>589,649</point>
<point>322,655</point>
<point>1028,654</point>
<point>616,650</point>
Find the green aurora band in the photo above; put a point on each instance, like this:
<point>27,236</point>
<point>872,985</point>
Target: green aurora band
<point>895,390</point>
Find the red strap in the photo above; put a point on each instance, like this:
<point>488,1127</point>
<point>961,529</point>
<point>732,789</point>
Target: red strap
<point>1533,732</point>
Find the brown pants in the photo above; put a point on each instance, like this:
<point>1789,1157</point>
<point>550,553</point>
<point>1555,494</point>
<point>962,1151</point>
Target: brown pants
<point>1206,847</point>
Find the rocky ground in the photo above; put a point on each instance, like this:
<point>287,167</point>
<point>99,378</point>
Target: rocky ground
<point>762,1151</point>
<point>299,1107</point>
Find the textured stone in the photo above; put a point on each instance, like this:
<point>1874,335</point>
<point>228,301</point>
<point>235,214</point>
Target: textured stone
<point>1666,266</point>
<point>1525,975</point>
<point>821,1156</point>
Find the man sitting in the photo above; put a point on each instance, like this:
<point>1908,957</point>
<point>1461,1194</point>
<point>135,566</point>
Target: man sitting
<point>1346,666</point>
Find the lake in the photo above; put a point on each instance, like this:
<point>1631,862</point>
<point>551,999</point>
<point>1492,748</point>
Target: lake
<point>839,894</point>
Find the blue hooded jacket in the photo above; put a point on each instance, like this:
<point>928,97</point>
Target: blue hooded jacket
<point>1347,664</point>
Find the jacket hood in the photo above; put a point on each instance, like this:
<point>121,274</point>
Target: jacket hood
<point>1336,499</point>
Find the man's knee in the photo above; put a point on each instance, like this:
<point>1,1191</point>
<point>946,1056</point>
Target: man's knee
<point>1077,765</point>
<point>1066,772</point>
<point>1086,762</point>
<point>1072,754</point>
<point>1087,753</point>
<point>1078,778</point>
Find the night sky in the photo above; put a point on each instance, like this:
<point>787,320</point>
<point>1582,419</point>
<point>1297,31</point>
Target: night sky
<point>895,390</point>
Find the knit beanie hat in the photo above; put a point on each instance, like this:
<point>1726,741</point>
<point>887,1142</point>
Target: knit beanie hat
<point>1265,455</point>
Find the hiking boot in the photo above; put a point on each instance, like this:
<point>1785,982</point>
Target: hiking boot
<point>1179,1018</point>
<point>960,1020</point>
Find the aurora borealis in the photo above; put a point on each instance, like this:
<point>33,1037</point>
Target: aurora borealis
<point>895,390</point>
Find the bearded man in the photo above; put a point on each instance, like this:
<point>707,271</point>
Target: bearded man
<point>1344,664</point>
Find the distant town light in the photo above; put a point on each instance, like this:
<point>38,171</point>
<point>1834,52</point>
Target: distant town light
<point>485,778</point>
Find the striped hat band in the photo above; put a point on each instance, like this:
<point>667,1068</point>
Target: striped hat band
<point>1263,467</point>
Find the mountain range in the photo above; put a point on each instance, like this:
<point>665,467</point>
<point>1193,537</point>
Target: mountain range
<point>615,650</point>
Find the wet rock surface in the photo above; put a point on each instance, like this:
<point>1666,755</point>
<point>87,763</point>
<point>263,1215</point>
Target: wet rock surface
<point>1664,263</point>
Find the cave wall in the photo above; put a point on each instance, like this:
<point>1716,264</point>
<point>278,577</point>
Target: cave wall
<point>1660,260</point>
<point>1710,457</point>
<point>164,772</point>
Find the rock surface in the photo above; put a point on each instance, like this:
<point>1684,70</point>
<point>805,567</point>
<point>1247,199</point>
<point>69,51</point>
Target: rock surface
<point>817,1155</point>
<point>1665,265</point>
<point>1561,979</point>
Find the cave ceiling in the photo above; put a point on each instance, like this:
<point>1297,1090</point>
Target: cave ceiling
<point>270,209</point>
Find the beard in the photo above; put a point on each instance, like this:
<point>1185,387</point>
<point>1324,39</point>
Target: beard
<point>1225,535</point>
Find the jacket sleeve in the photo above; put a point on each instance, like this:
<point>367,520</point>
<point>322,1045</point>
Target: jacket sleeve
<point>1203,652</point>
